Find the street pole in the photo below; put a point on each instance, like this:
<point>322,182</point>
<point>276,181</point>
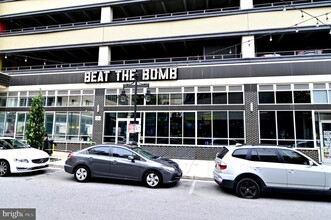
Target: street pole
<point>135,134</point>
<point>135,98</point>
<point>123,98</point>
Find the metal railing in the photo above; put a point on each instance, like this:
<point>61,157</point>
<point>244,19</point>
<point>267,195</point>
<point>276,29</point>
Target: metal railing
<point>152,17</point>
<point>177,60</point>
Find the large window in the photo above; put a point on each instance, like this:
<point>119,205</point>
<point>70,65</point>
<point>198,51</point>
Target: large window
<point>51,98</point>
<point>310,93</point>
<point>290,128</point>
<point>186,128</point>
<point>207,95</point>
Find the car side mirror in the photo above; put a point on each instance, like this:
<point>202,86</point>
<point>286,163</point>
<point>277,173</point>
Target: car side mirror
<point>311,163</point>
<point>131,158</point>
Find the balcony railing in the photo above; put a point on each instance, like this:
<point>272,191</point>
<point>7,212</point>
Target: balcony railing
<point>153,17</point>
<point>177,60</point>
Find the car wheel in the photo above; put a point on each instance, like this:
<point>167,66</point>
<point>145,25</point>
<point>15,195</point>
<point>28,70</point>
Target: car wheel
<point>82,174</point>
<point>4,168</point>
<point>153,179</point>
<point>248,188</point>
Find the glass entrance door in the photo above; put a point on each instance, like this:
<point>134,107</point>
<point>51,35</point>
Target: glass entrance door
<point>325,128</point>
<point>122,128</point>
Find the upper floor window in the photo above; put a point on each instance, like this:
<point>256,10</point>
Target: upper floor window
<point>203,95</point>
<point>51,98</point>
<point>284,94</point>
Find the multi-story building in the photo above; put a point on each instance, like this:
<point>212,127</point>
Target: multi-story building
<point>219,72</point>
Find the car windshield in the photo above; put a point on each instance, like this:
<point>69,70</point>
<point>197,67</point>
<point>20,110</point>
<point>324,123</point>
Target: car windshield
<point>13,144</point>
<point>145,153</point>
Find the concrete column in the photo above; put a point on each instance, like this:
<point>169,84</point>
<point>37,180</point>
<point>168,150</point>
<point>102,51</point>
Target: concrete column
<point>104,56</point>
<point>106,15</point>
<point>105,51</point>
<point>248,46</point>
<point>246,4</point>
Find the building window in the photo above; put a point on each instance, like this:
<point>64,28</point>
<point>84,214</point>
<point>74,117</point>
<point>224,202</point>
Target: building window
<point>220,98</point>
<point>163,99</point>
<point>20,125</point>
<point>267,125</point>
<point>289,128</point>
<point>204,128</point>
<point>285,94</point>
<point>189,98</point>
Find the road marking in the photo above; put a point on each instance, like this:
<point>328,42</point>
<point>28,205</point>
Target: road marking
<point>192,187</point>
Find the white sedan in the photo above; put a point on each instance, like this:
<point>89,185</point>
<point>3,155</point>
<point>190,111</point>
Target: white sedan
<point>17,157</point>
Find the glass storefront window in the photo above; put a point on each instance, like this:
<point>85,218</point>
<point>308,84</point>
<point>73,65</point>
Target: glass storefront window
<point>220,125</point>
<point>304,125</point>
<point>150,125</point>
<point>20,124</point>
<point>176,124</point>
<point>285,125</point>
<point>236,125</point>
<point>49,120</point>
<point>110,127</point>
<point>73,126</point>
<point>2,123</point>
<point>60,128</point>
<point>267,125</point>
<point>189,124</point>
<point>10,124</point>
<point>163,124</point>
<point>204,128</point>
<point>86,126</point>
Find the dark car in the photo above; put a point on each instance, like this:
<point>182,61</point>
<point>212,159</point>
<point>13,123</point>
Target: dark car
<point>124,162</point>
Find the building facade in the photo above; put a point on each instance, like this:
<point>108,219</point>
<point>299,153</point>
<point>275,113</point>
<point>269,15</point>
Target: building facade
<point>218,73</point>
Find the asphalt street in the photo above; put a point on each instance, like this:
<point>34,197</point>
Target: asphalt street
<point>56,195</point>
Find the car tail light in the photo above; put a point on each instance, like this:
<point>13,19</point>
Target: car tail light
<point>69,155</point>
<point>221,165</point>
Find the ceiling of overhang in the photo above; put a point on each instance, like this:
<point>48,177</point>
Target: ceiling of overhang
<point>128,10</point>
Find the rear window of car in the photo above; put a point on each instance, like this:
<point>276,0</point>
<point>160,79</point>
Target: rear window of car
<point>240,153</point>
<point>222,152</point>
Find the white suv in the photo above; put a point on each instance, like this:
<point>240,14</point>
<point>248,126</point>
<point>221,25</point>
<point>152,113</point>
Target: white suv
<point>250,169</point>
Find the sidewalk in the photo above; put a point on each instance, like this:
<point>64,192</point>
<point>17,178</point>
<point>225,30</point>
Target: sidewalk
<point>192,169</point>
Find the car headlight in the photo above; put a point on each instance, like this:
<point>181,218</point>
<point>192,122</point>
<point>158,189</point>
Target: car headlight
<point>21,160</point>
<point>170,169</point>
